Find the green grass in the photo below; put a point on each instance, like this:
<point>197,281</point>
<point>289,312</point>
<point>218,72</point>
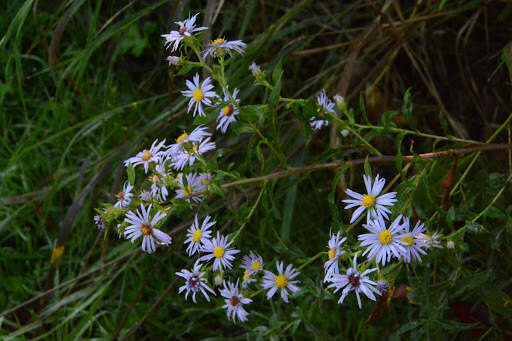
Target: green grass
<point>85,84</point>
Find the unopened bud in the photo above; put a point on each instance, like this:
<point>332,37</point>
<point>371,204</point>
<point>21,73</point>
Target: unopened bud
<point>450,244</point>
<point>340,103</point>
<point>218,279</point>
<point>173,60</point>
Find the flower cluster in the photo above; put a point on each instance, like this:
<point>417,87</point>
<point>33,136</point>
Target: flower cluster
<point>173,177</point>
<point>383,242</point>
<point>177,175</point>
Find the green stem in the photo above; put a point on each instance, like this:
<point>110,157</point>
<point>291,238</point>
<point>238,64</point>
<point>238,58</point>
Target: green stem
<point>267,142</point>
<point>249,215</point>
<point>352,131</point>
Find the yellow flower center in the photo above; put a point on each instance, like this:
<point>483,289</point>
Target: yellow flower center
<point>146,156</point>
<point>368,200</point>
<point>156,178</point>
<point>182,137</point>
<point>146,230</point>
<point>228,110</point>
<point>281,281</point>
<point>256,265</point>
<point>195,148</point>
<point>205,181</point>
<point>218,252</point>
<point>332,253</point>
<point>408,240</point>
<point>198,95</point>
<point>196,236</point>
<point>246,275</point>
<point>385,237</point>
<point>187,190</point>
<point>218,41</point>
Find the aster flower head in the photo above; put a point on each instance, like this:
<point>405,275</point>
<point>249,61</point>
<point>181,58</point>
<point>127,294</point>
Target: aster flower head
<point>340,102</point>
<point>283,281</point>
<point>141,225</point>
<point>195,282</point>
<point>146,157</point>
<point>234,302</point>
<point>189,185</point>
<point>383,242</point>
<point>354,281</point>
<point>382,286</point>
<point>190,155</point>
<point>431,241</point>
<point>99,220</point>
<point>219,47</point>
<point>198,234</point>
<point>255,70</point>
<point>373,202</point>
<point>335,251</point>
<point>218,249</point>
<point>158,188</point>
<point>173,60</point>
<point>228,112</point>
<point>198,134</point>
<point>205,179</point>
<point>326,105</point>
<point>124,198</point>
<point>252,263</point>
<point>199,94</point>
<point>413,243</point>
<point>187,27</point>
<point>146,196</point>
<point>247,279</point>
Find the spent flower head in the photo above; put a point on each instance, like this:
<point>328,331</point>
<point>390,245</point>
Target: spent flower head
<point>354,281</point>
<point>195,282</point>
<point>228,112</point>
<point>124,198</point>
<point>234,302</point>
<point>141,225</point>
<point>186,28</point>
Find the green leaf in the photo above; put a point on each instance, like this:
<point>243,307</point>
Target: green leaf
<point>495,213</point>
<point>185,69</point>
<point>498,301</point>
<point>476,228</point>
<point>407,105</point>
<point>253,113</point>
<point>131,174</point>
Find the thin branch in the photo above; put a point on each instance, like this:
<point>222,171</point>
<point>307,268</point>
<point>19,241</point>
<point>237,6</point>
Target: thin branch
<point>373,159</point>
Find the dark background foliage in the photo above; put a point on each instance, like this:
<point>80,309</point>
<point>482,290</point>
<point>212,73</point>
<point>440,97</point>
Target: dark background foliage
<point>85,84</point>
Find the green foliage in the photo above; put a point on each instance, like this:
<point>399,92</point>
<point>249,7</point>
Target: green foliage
<point>85,85</point>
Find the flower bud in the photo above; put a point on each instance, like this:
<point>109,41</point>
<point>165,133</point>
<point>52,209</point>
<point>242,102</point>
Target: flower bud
<point>218,279</point>
<point>340,103</point>
<point>173,60</point>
